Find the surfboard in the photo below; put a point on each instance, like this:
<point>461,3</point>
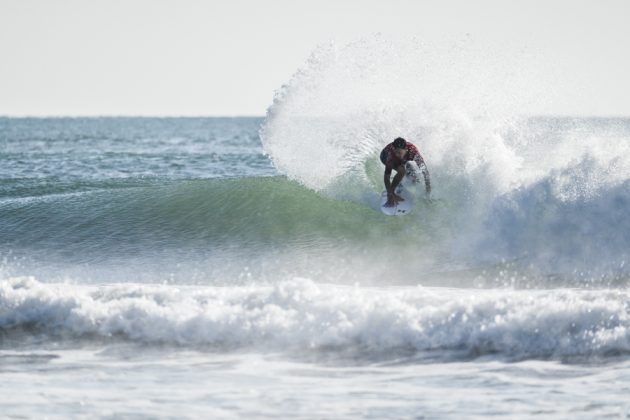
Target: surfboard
<point>400,209</point>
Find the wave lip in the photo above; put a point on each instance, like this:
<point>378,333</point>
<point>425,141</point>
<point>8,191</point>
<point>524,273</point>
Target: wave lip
<point>300,315</point>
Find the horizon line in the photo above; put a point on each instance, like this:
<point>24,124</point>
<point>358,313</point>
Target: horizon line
<point>60,116</point>
<point>17,116</point>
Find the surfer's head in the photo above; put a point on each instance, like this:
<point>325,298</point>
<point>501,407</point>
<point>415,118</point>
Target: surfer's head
<point>400,147</point>
<point>399,143</point>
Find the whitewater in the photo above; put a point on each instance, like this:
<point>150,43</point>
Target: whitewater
<point>240,267</point>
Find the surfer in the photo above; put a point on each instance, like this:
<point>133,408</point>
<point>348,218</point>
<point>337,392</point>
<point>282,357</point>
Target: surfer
<point>399,155</point>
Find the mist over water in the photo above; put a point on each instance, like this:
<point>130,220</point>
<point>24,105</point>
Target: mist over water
<point>549,194</point>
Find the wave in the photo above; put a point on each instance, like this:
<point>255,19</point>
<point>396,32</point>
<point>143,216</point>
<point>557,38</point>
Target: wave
<point>245,211</point>
<point>301,316</point>
<point>533,232</point>
<point>549,194</point>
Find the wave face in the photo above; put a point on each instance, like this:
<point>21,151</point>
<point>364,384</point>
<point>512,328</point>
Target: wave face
<point>212,231</point>
<point>549,194</point>
<point>302,316</point>
<point>276,228</point>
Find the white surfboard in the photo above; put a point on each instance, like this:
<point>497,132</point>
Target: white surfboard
<point>401,208</point>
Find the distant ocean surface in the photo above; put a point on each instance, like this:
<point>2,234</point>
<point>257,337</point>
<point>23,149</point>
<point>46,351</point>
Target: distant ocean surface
<point>241,267</point>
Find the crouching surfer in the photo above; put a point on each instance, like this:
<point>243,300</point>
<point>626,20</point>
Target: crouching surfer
<point>403,157</point>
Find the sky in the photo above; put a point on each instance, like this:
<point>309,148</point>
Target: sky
<point>226,58</point>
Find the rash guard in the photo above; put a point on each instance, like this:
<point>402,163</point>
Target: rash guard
<point>392,161</point>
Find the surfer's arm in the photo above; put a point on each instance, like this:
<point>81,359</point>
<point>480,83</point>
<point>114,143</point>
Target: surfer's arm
<point>425,173</point>
<point>390,186</point>
<point>387,179</point>
<point>400,173</point>
<point>427,178</point>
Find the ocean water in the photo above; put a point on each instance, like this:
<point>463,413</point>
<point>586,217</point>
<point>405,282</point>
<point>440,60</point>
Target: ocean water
<point>240,267</point>
<point>164,267</point>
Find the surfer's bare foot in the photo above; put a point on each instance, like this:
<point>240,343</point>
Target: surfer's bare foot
<point>392,200</point>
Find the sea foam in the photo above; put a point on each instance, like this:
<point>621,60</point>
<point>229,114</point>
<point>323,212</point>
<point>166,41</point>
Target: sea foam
<point>301,315</point>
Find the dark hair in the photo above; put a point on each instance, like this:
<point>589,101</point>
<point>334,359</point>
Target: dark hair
<point>400,143</point>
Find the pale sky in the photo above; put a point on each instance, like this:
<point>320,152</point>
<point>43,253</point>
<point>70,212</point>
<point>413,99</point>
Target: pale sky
<point>194,57</point>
